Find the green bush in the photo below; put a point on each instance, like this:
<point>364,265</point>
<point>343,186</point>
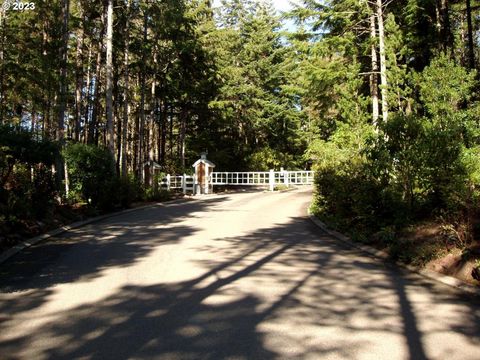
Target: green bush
<point>156,194</point>
<point>43,192</point>
<point>351,197</point>
<point>130,190</point>
<point>413,253</point>
<point>27,190</point>
<point>265,159</point>
<point>91,172</point>
<point>18,203</point>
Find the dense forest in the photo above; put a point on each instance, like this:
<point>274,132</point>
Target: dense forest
<point>379,97</point>
<point>90,92</point>
<point>153,80</point>
<point>392,88</point>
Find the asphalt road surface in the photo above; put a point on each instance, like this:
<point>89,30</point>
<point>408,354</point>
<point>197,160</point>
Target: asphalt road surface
<point>236,276</point>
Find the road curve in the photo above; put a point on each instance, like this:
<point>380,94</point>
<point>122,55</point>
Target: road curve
<point>235,276</point>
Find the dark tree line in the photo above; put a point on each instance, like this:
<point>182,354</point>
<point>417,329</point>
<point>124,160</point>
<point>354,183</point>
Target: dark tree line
<point>131,82</point>
<point>392,88</point>
<point>381,96</point>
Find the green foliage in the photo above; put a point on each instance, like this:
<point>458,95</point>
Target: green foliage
<point>130,190</point>
<point>456,235</point>
<point>259,123</point>
<point>387,235</point>
<point>157,194</point>
<point>415,165</point>
<point>426,165</point>
<point>267,158</point>
<point>17,146</point>
<point>349,196</point>
<point>347,192</point>
<point>91,171</point>
<point>280,187</point>
<point>43,193</point>
<point>470,160</point>
<point>444,88</point>
<point>26,186</point>
<point>18,197</point>
<point>409,252</point>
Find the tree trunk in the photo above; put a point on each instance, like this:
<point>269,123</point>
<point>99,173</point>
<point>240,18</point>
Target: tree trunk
<point>79,83</point>
<point>92,126</point>
<point>34,122</point>
<point>46,125</point>
<point>109,80</point>
<point>134,145</point>
<point>140,129</point>
<point>88,95</point>
<point>62,96</point>
<point>471,49</point>
<point>47,99</point>
<point>141,125</point>
<point>2,70</point>
<point>151,128</point>
<point>443,24</point>
<point>93,132</point>
<point>117,108</point>
<point>170,135</point>
<point>447,31</point>
<point>163,133</point>
<point>183,130</point>
<point>125,95</point>
<point>158,149</point>
<point>383,64</point>
<point>374,74</point>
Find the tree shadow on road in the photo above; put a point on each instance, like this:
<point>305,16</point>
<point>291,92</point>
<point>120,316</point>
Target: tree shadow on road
<point>279,292</point>
<point>83,254</point>
<point>204,318</point>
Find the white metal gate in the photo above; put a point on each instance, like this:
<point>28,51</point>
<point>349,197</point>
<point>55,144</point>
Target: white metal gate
<point>270,178</point>
<point>185,183</point>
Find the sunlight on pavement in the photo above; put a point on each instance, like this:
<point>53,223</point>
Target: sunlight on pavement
<point>244,277</point>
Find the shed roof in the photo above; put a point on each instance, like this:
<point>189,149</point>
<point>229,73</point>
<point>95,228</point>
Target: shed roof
<point>205,161</point>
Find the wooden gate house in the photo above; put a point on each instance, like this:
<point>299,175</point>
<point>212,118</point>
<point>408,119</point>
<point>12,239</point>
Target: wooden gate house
<point>203,170</point>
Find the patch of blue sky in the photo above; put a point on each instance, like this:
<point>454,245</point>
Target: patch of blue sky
<point>281,6</point>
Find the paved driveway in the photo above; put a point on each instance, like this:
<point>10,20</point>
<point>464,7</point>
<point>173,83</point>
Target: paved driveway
<point>238,276</point>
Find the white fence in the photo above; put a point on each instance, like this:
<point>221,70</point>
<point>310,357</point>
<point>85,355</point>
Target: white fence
<point>300,177</point>
<point>185,183</point>
<point>240,178</point>
<point>271,178</point>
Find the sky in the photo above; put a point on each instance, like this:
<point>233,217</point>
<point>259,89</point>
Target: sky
<point>280,6</point>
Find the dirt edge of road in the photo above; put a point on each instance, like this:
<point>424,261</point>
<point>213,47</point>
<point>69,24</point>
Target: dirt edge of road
<point>384,256</point>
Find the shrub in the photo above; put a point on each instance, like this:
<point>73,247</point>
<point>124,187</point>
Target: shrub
<point>130,190</point>
<point>91,172</point>
<point>43,192</point>
<point>156,194</point>
<point>26,186</point>
<point>351,197</point>
<point>265,159</point>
